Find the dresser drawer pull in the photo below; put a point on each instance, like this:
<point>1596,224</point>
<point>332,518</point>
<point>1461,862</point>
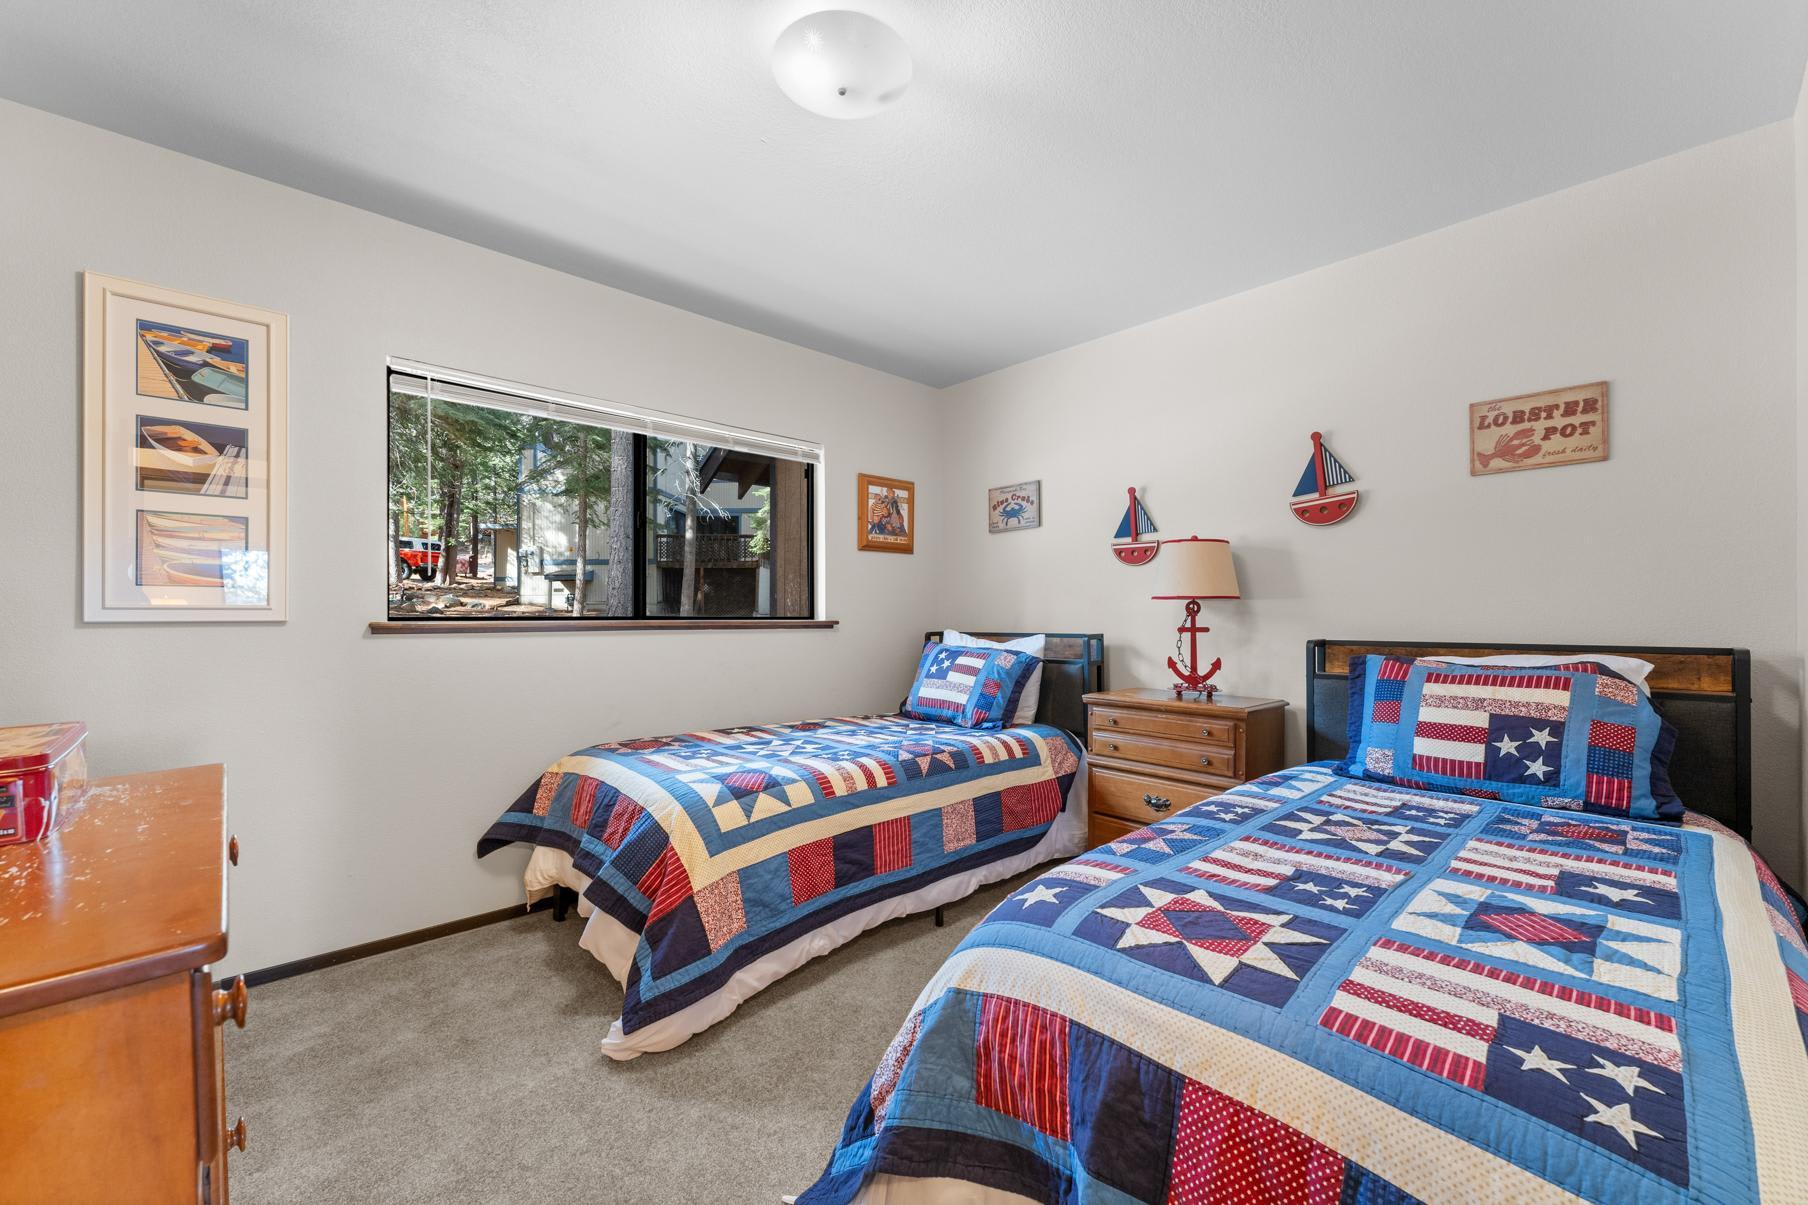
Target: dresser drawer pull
<point>1205,761</point>
<point>232,851</point>
<point>1111,745</point>
<point>1157,804</point>
<point>1113,720</point>
<point>231,1002</point>
<point>235,1136</point>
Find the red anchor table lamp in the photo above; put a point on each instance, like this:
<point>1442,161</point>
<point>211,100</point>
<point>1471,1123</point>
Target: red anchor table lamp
<point>1194,569</point>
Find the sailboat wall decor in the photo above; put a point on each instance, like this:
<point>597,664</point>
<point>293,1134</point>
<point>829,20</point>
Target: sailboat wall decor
<point>1128,544</point>
<point>1313,502</point>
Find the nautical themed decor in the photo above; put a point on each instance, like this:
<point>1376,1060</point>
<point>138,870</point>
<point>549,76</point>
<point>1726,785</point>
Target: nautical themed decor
<point>184,456</point>
<point>1014,507</point>
<point>1129,546</point>
<point>1538,430</point>
<point>887,521</point>
<point>1194,569</point>
<point>1313,501</point>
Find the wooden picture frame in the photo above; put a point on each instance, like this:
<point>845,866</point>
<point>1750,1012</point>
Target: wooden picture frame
<point>885,514</point>
<point>1538,430</point>
<point>184,457</point>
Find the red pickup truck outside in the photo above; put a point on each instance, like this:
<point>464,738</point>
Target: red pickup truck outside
<point>419,557</point>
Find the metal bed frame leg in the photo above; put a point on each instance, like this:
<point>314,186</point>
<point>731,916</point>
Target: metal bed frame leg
<point>562,896</point>
<point>940,920</point>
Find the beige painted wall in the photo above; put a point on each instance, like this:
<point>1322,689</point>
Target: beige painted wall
<point>1667,280</point>
<point>363,768</point>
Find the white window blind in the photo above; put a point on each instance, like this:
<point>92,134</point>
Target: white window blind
<point>472,389</point>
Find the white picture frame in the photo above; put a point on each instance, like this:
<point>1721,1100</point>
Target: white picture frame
<point>184,457</point>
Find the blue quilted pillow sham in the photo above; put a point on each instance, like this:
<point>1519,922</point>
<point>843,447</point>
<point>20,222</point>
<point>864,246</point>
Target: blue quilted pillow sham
<point>972,688</point>
<point>1575,736</point>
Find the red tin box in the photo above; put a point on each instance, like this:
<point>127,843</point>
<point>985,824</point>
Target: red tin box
<point>43,773</point>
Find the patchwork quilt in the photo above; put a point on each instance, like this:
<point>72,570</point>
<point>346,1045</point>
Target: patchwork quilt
<point>1318,989</point>
<point>719,847</point>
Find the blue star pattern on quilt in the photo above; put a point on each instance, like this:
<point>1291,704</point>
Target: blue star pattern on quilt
<point>754,791</point>
<point>1584,833</point>
<point>1357,834</point>
<point>1552,935</point>
<point>1423,807</point>
<point>1226,810</point>
<point>1256,952</point>
<point>1159,842</point>
<point>1622,1103</point>
<point>1587,878</point>
<point>1606,1071</point>
<point>1314,878</point>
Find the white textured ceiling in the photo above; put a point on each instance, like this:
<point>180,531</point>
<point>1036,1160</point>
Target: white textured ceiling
<point>1058,170</point>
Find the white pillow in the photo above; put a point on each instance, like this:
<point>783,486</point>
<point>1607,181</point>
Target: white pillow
<point>1033,645</point>
<point>1630,668</point>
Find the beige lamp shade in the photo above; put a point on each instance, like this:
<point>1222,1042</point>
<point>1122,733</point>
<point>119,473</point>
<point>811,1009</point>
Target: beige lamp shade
<point>1195,568</point>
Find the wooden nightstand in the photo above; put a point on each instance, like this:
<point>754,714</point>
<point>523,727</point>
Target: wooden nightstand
<point>1150,754</point>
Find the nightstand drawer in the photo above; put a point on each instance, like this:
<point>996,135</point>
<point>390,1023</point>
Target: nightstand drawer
<point>1157,723</point>
<point>1100,829</point>
<point>1142,798</point>
<point>1157,751</point>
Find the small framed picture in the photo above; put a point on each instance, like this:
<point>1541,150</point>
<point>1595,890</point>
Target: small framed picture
<point>1014,507</point>
<point>887,520</point>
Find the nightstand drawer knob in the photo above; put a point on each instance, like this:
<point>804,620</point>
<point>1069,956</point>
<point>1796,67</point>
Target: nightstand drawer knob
<point>1111,745</point>
<point>1205,761</point>
<point>1157,804</point>
<point>1111,720</point>
<point>235,1136</point>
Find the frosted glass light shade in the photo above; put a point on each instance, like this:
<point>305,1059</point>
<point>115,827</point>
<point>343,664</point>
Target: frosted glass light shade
<point>841,64</point>
<point>1195,568</point>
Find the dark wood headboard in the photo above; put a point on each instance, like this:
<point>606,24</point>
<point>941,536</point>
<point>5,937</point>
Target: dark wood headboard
<point>1073,666</point>
<point>1704,693</point>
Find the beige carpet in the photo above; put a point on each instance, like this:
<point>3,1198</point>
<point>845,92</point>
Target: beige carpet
<point>467,1069</point>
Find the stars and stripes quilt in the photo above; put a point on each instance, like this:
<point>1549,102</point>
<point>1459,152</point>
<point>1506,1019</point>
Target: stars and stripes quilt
<point>1318,989</point>
<point>717,847</point>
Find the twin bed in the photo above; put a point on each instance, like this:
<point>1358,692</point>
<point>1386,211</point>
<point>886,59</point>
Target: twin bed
<point>1324,986</point>
<point>710,864</point>
<point>1331,984</point>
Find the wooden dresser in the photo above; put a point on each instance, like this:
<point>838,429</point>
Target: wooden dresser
<point>1149,754</point>
<point>112,1078</point>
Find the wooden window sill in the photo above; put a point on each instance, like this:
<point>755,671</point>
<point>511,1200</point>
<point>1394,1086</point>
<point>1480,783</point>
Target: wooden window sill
<point>436,627</point>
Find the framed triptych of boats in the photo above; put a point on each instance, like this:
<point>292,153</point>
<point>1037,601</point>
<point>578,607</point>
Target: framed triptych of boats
<point>184,456</point>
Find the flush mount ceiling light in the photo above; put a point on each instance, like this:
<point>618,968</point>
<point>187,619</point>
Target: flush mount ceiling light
<point>841,64</point>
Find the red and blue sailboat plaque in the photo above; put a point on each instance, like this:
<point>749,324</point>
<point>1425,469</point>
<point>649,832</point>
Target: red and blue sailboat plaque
<point>1129,545</point>
<point>1313,502</point>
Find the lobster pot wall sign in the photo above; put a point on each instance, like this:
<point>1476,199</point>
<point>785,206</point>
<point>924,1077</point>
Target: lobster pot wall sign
<point>1538,430</point>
